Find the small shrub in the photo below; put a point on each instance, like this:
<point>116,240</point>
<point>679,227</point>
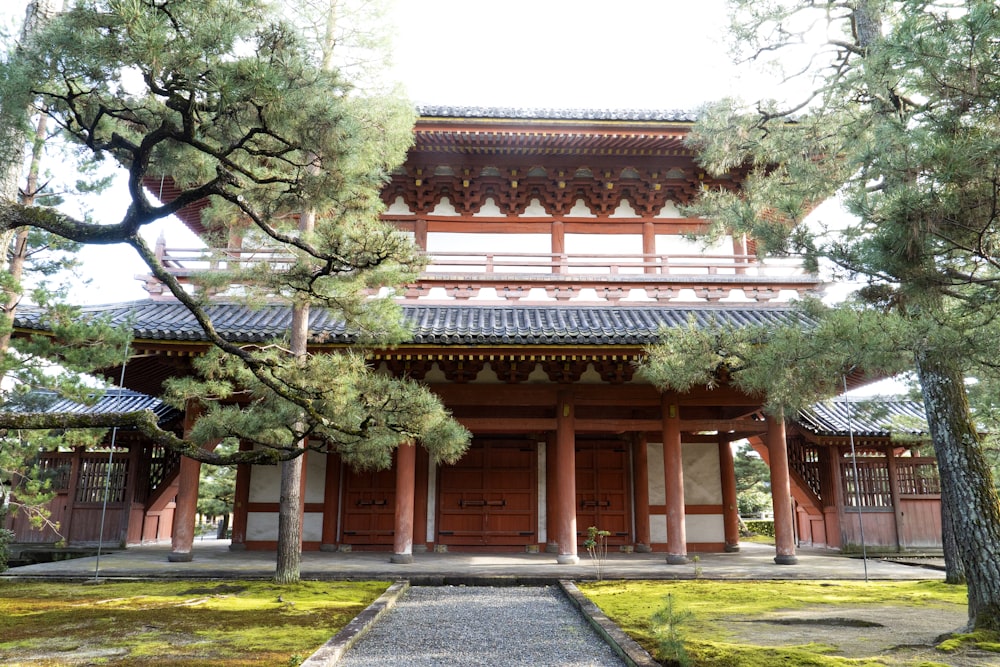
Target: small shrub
<point>6,537</point>
<point>761,527</point>
<point>597,547</point>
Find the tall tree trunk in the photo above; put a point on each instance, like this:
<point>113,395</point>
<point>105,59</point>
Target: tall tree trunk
<point>289,557</point>
<point>13,242</point>
<point>954,571</point>
<point>967,488</point>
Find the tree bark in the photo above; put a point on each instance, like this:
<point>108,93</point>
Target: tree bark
<point>967,488</point>
<point>289,558</point>
<point>954,571</point>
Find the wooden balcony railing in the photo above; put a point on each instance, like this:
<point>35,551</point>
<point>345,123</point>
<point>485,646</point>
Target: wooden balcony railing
<point>562,276</point>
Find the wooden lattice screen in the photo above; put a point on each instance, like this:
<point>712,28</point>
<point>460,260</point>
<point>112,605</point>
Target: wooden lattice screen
<point>918,477</point>
<point>94,475</point>
<point>872,487</point>
<point>803,458</point>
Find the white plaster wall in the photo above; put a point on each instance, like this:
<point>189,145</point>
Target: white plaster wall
<point>432,472</point>
<point>657,489</point>
<point>702,477</point>
<point>312,526</point>
<point>704,528</point>
<point>315,472</point>
<point>265,484</point>
<point>262,525</point>
<point>658,528</point>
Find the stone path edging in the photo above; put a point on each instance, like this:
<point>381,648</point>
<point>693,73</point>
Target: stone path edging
<point>332,651</point>
<point>630,651</point>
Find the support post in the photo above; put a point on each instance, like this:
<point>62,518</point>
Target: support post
<point>730,507</point>
<point>673,476</point>
<point>185,512</point>
<point>406,459</point>
<point>551,485</point>
<point>897,510</point>
<point>565,492</point>
<point>781,493</point>
<point>331,501</point>
<point>640,473</point>
<point>241,503</point>
<point>558,247</point>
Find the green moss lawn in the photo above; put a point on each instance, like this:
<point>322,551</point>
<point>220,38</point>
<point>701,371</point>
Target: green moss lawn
<point>218,623</point>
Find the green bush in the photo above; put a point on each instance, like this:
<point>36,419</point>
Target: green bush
<point>6,537</point>
<point>761,527</point>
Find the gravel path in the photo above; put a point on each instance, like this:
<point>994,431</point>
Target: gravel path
<point>499,627</point>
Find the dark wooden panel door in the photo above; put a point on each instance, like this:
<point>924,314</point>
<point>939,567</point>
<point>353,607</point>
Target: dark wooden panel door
<point>489,497</point>
<point>368,517</point>
<point>603,491</point>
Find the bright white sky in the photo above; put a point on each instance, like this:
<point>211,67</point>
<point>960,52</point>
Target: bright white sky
<point>631,54</point>
<point>648,54</point>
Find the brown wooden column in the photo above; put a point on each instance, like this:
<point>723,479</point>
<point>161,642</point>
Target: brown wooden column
<point>331,501</point>
<point>673,477</point>
<point>649,245</point>
<point>564,506</point>
<point>185,512</point>
<point>241,503</point>
<point>781,493</point>
<point>551,543</point>
<point>740,248</point>
<point>420,234</point>
<point>640,473</point>
<point>897,510</point>
<point>406,460</point>
<point>558,247</point>
<point>730,507</point>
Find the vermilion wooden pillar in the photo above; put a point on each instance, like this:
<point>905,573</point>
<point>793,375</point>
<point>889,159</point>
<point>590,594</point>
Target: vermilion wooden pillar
<point>331,502</point>
<point>640,472</point>
<point>241,502</point>
<point>673,476</point>
<point>406,468</point>
<point>648,245</point>
<point>730,508</point>
<point>564,506</point>
<point>186,509</point>
<point>781,493</point>
<point>558,247</point>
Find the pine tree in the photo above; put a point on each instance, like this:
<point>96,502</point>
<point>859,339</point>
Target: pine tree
<point>241,111</point>
<point>902,122</point>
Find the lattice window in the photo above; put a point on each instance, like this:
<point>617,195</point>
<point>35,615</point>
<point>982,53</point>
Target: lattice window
<point>804,459</point>
<point>918,477</point>
<point>872,486</point>
<point>94,476</point>
<point>58,468</point>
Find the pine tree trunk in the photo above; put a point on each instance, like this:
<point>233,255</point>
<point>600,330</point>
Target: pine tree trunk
<point>290,507</point>
<point>954,571</point>
<point>967,488</point>
<point>289,559</point>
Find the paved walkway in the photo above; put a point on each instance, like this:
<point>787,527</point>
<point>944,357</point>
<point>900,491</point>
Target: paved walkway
<point>213,559</point>
<point>475,625</point>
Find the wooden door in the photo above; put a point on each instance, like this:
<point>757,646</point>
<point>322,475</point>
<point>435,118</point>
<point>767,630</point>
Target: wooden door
<point>489,497</point>
<point>603,491</point>
<point>369,508</point>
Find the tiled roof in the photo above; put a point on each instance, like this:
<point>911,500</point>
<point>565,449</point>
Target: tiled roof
<point>519,113</point>
<point>114,399</point>
<point>437,324</point>
<point>871,417</point>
